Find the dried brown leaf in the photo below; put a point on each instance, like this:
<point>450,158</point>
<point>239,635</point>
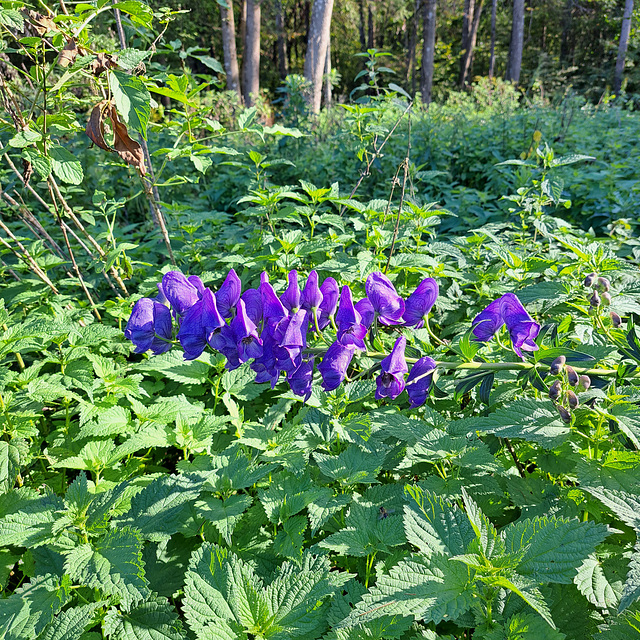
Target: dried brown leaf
<point>102,62</point>
<point>27,171</point>
<point>68,53</point>
<point>41,23</point>
<point>129,150</point>
<point>95,126</point>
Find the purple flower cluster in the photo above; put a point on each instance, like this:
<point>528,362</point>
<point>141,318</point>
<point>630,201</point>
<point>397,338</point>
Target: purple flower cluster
<point>271,330</point>
<point>507,310</point>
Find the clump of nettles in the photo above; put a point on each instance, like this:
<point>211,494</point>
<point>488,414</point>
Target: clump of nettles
<point>271,331</point>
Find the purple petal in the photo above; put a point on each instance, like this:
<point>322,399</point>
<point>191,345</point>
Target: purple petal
<point>311,296</point>
<point>291,297</point>
<point>488,322</point>
<point>384,299</point>
<point>366,311</point>
<point>419,303</point>
<point>301,379</point>
<point>419,380</point>
<point>229,293</point>
<point>180,293</point>
<point>334,365</point>
<point>272,308</point>
<point>245,334</point>
<point>253,302</point>
<point>395,362</point>
<point>330,292</point>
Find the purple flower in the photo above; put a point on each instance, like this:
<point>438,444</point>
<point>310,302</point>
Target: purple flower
<point>272,308</point>
<point>420,302</point>
<point>385,300</point>
<point>300,380</point>
<point>419,380</point>
<point>334,365</point>
<point>351,331</point>
<point>265,366</point>
<point>311,295</point>
<point>390,383</point>
<point>291,297</point>
<point>149,322</point>
<point>161,298</point>
<point>228,294</point>
<point>253,302</point>
<point>180,292</point>
<point>291,338</point>
<point>199,324</point>
<point>522,329</point>
<point>327,309</point>
<point>487,323</point>
<point>366,311</point>
<point>197,283</point>
<point>245,334</point>
<point>507,310</point>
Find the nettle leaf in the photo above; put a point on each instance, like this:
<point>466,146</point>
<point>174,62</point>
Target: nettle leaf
<point>241,383</point>
<point>289,540</point>
<point>529,420</point>
<point>232,471</point>
<point>9,465</point>
<point>631,587</point>
<point>555,547</point>
<point>70,624</point>
<point>325,506</point>
<point>625,627</point>
<point>436,526</point>
<point>601,581</point>
<point>65,165</point>
<point>351,466</point>
<point>288,495</point>
<point>429,589</point>
<point>28,518</point>
<point>112,564</point>
<point>159,510</point>
<point>223,514</point>
<point>155,619</point>
<point>524,626</point>
<point>173,366</point>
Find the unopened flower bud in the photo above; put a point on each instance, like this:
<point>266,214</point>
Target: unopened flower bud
<point>606,298</point>
<point>572,376</point>
<point>565,414</point>
<point>572,398</point>
<point>594,300</point>
<point>603,285</point>
<point>557,365</point>
<point>555,390</point>
<point>616,320</point>
<point>590,279</point>
<point>584,382</point>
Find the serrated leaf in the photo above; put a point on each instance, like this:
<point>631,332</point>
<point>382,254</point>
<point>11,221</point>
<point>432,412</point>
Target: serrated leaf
<point>65,165</point>
<point>351,466</point>
<point>155,619</point>
<point>70,624</point>
<point>223,514</point>
<point>132,99</point>
<point>601,582</point>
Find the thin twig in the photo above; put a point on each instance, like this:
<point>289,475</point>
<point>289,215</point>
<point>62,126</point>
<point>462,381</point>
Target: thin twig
<point>521,469</point>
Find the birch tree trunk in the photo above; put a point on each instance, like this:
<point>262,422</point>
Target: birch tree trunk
<point>492,58</point>
<point>517,42</point>
<point>327,77</point>
<point>622,47</point>
<point>475,11</point>
<point>317,44</point>
<point>282,41</point>
<point>229,52</point>
<point>251,61</point>
<point>428,51</point>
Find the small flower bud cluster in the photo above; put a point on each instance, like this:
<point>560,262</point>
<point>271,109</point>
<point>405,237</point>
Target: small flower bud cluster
<point>601,297</point>
<point>561,392</point>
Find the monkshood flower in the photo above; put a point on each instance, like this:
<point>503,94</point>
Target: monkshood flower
<point>180,291</point>
<point>507,310</point>
<point>228,294</point>
<point>419,380</point>
<point>300,380</point>
<point>291,338</point>
<point>334,365</point>
<point>384,298</point>
<point>252,299</point>
<point>273,311</point>
<point>150,321</point>
<point>351,331</point>
<point>265,366</point>
<point>199,324</point>
<point>311,297</point>
<point>390,383</point>
<point>418,305</point>
<point>327,309</point>
<point>291,297</point>
<point>245,334</point>
<point>366,311</point>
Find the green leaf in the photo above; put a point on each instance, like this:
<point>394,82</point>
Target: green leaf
<point>524,626</point>
<point>132,97</point>
<point>288,495</point>
<point>155,619</point>
<point>351,466</point>
<point>12,19</point>
<point>113,564</point>
<point>140,13</point>
<point>601,581</point>
<point>624,627</point>
<point>555,547</point>
<point>9,465</point>
<point>631,587</point>
<point>70,624</point>
<point>65,165</point>
<point>223,514</point>
<point>289,540</point>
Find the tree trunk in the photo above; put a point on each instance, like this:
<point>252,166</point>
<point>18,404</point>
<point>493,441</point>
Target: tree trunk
<point>467,17</point>
<point>282,41</point>
<point>622,47</point>
<point>229,48</point>
<point>517,42</point>
<point>413,45</point>
<point>567,12</point>
<point>317,44</point>
<point>469,42</point>
<point>371,31</point>
<point>428,51</point>
<point>327,77</point>
<point>492,59</point>
<point>361,26</point>
<point>251,66</point>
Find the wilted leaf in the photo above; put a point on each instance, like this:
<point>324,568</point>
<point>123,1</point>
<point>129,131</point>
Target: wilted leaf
<point>68,53</point>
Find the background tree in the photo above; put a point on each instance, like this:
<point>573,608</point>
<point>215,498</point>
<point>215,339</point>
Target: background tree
<point>251,58</point>
<point>470,24</point>
<point>317,45</point>
<point>230,55</point>
<point>623,44</point>
<point>517,42</point>
<point>428,50</point>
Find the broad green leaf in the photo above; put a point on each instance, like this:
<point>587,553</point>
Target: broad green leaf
<point>525,626</point>
<point>155,619</point>
<point>351,466</point>
<point>223,514</point>
<point>132,97</point>
<point>70,624</point>
<point>65,165</point>
<point>601,581</point>
<point>9,465</point>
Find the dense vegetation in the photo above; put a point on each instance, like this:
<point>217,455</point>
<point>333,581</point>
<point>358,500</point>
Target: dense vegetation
<point>397,397</point>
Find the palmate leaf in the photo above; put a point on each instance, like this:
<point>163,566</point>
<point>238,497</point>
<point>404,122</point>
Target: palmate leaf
<point>429,589</point>
<point>154,619</point>
<point>113,564</point>
<point>555,547</point>
<point>436,526</point>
